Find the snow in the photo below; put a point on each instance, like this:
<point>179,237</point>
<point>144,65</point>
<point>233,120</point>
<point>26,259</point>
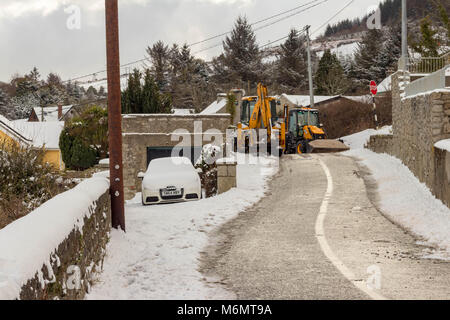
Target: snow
<point>443,145</point>
<point>385,85</point>
<point>177,111</point>
<point>304,101</point>
<point>362,99</point>
<point>175,171</point>
<point>41,133</point>
<point>104,161</point>
<point>215,107</point>
<point>158,256</point>
<point>360,139</point>
<point>342,50</point>
<point>403,198</point>
<point>28,243</point>
<point>51,113</point>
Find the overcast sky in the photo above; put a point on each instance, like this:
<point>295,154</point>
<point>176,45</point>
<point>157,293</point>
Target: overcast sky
<point>36,32</point>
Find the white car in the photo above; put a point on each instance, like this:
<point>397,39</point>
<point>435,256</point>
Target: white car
<point>170,180</point>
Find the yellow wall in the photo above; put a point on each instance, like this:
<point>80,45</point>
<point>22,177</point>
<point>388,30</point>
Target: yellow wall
<point>52,157</point>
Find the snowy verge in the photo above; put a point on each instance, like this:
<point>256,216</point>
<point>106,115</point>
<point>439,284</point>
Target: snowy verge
<point>158,256</point>
<point>360,139</point>
<point>27,244</point>
<point>403,198</point>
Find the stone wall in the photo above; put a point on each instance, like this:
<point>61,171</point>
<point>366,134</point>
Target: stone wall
<point>156,130</point>
<point>418,122</point>
<point>381,143</point>
<point>76,260</point>
<point>442,175</point>
<point>226,175</point>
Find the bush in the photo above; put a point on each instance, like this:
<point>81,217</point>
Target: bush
<point>347,117</point>
<point>207,163</point>
<point>26,181</point>
<point>84,140</point>
<point>83,157</point>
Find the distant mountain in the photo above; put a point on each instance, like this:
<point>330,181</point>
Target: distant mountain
<point>390,14</point>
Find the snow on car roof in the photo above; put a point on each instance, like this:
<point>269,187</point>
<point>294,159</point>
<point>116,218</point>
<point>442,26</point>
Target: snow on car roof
<point>169,163</point>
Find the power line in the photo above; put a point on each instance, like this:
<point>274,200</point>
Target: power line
<point>254,23</point>
<point>223,34</point>
<point>334,16</point>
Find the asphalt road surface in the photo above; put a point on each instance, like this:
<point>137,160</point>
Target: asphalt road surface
<point>318,234</point>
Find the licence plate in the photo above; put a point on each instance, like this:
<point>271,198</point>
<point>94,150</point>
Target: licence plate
<point>171,193</point>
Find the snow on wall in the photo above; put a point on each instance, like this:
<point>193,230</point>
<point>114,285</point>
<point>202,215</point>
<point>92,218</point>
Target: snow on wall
<point>27,244</point>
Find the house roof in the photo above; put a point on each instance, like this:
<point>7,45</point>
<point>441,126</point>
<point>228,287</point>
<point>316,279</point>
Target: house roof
<point>304,101</point>
<point>51,113</point>
<point>35,134</point>
<point>7,127</point>
<point>215,107</point>
<point>385,85</point>
<point>42,134</point>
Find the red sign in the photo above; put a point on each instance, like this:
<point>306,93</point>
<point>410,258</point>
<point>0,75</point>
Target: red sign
<point>373,87</point>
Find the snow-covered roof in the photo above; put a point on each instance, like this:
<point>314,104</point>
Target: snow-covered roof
<point>304,101</point>
<point>51,113</point>
<point>8,128</point>
<point>35,134</point>
<point>363,99</point>
<point>385,85</point>
<point>215,107</point>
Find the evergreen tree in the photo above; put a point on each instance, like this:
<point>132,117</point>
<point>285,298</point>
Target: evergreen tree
<point>390,52</point>
<point>428,44</point>
<point>330,78</point>
<point>292,65</point>
<point>366,56</point>
<point>159,56</point>
<point>242,58</point>
<point>3,104</point>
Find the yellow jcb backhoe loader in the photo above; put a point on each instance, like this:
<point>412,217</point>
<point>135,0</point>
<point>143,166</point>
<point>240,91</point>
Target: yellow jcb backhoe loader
<point>259,113</point>
<point>299,131</point>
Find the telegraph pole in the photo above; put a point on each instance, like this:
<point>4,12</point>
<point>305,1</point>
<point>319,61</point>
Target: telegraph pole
<point>404,34</point>
<point>311,86</point>
<point>114,115</point>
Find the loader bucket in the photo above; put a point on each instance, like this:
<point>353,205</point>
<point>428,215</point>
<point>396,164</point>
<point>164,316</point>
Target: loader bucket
<point>327,146</point>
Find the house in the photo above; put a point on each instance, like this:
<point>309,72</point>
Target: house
<point>52,114</point>
<point>304,100</point>
<point>36,135</point>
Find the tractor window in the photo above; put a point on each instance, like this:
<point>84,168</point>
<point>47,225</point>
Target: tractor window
<point>273,110</point>
<point>247,110</point>
<point>293,123</point>
<point>308,118</point>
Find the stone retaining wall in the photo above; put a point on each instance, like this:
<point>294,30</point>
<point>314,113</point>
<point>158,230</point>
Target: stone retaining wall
<point>418,122</point>
<point>76,260</point>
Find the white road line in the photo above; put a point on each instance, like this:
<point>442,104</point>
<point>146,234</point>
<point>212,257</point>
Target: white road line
<point>320,235</point>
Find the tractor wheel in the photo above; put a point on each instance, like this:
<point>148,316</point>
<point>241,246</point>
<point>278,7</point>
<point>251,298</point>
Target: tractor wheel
<point>300,149</point>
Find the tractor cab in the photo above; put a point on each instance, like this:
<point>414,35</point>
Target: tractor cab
<point>248,105</point>
<point>304,123</point>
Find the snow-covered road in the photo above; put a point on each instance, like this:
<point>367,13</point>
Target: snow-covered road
<point>403,198</point>
<point>158,256</point>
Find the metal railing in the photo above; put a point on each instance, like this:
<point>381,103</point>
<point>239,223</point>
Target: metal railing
<point>428,64</point>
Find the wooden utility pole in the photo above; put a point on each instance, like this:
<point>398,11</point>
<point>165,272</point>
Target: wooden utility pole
<point>114,115</point>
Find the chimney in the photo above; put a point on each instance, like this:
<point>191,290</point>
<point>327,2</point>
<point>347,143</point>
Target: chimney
<point>60,114</point>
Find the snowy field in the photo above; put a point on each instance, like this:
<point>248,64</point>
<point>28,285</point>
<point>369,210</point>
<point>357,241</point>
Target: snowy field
<point>403,198</point>
<point>157,258</point>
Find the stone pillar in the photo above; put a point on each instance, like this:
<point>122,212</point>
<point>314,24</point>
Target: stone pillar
<point>226,175</point>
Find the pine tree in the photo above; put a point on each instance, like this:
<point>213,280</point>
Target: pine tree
<point>366,56</point>
<point>428,44</point>
<point>159,56</point>
<point>241,53</point>
<point>390,52</point>
<point>292,65</point>
<point>330,78</point>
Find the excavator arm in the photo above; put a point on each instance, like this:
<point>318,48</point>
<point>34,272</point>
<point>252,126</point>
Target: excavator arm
<point>261,112</point>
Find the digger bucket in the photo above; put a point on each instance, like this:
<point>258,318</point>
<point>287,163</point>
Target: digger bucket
<point>327,146</point>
